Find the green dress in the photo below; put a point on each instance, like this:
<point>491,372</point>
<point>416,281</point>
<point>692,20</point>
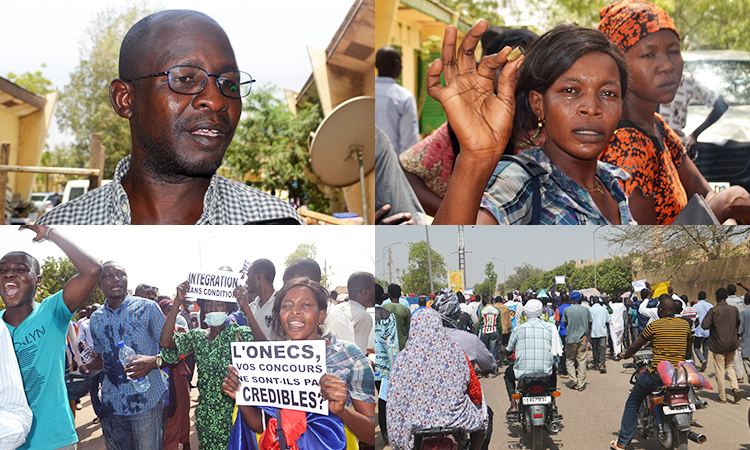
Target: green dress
<point>213,415</point>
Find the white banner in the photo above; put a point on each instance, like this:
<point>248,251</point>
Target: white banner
<point>559,279</point>
<point>638,286</point>
<point>281,374</point>
<point>213,285</point>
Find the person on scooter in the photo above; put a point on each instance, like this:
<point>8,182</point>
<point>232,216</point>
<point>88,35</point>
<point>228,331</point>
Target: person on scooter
<point>536,343</point>
<point>670,337</point>
<point>433,385</point>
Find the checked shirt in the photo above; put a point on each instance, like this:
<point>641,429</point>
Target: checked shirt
<point>226,202</point>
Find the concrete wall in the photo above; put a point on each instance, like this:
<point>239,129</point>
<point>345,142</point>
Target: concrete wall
<point>706,276</point>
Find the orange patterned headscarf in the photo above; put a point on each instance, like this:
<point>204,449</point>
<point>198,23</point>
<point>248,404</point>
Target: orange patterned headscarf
<point>628,21</point>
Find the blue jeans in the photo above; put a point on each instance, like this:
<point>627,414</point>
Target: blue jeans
<point>643,386</point>
<point>96,402</point>
<point>137,432</point>
<point>700,344</point>
<point>490,341</point>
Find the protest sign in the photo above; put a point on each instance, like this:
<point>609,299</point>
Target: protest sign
<point>281,374</point>
<point>559,279</point>
<point>213,285</point>
<point>638,286</point>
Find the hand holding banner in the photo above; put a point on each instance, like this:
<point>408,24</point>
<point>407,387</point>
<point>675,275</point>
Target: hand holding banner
<point>281,374</point>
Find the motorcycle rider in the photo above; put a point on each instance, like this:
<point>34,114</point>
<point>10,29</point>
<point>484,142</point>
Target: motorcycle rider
<point>670,337</point>
<point>536,343</point>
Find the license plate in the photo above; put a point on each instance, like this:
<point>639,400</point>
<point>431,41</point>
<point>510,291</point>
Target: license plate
<point>678,409</point>
<point>537,400</point>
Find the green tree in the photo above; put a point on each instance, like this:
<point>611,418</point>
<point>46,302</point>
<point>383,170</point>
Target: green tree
<point>702,24</point>
<point>84,106</point>
<point>521,274</point>
<point>32,81</point>
<point>674,246</point>
<point>309,250</point>
<point>271,145</point>
<point>474,10</point>
<point>416,277</point>
<point>304,249</point>
<point>55,273</point>
<point>489,284</point>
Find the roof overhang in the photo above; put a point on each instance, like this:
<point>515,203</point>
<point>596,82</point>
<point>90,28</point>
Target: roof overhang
<point>18,101</point>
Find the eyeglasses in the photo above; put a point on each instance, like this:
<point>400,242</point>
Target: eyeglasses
<point>192,80</point>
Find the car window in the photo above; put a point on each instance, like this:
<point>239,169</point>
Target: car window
<point>730,78</point>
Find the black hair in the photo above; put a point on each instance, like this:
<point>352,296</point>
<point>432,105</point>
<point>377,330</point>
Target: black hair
<point>357,282</point>
<point>303,267</point>
<point>422,301</point>
<point>701,295</point>
<point>721,294</point>
<point>731,289</point>
<point>645,293</point>
<point>379,294</point>
<point>547,59</point>
<point>394,290</point>
<point>34,263</point>
<point>321,296</point>
<point>264,267</point>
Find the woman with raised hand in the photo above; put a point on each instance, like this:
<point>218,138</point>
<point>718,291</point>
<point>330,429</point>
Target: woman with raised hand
<point>213,415</point>
<point>663,178</point>
<point>570,85</point>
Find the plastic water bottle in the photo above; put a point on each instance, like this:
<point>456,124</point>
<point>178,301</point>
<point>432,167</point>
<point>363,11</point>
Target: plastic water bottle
<point>126,354</point>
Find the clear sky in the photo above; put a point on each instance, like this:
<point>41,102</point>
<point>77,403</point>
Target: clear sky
<point>163,255</point>
<point>269,38</point>
<point>540,246</point>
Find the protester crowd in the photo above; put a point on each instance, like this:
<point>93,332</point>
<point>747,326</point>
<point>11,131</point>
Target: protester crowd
<point>455,340</point>
<point>568,133</point>
<point>50,362</point>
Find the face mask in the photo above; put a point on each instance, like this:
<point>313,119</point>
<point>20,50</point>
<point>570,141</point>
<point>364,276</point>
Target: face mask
<point>216,319</point>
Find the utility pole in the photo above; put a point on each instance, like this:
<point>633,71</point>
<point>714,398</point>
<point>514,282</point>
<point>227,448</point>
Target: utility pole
<point>390,265</point>
<point>429,258</point>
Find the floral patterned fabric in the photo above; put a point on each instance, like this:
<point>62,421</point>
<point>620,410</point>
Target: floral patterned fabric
<point>213,415</point>
<point>652,164</point>
<point>429,384</point>
<point>628,21</point>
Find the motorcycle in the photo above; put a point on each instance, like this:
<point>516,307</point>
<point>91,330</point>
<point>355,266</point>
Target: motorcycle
<point>536,410</point>
<point>441,438</point>
<point>667,412</point>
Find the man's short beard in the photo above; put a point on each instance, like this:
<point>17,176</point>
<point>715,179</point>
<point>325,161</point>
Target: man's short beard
<point>164,162</point>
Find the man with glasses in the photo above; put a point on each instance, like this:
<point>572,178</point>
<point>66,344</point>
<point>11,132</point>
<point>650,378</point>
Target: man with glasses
<point>181,91</point>
<point>146,291</point>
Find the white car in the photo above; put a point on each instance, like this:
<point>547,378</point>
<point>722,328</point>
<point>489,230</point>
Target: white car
<point>724,147</point>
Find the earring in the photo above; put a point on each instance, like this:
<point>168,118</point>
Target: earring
<point>540,122</point>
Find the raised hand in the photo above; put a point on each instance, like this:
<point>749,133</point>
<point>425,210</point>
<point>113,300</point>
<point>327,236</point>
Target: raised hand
<point>182,290</point>
<point>481,119</point>
<point>40,230</point>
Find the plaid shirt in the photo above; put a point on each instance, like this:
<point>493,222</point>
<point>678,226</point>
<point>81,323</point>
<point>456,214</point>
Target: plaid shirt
<point>138,323</point>
<point>226,202</point>
<point>508,194</point>
<point>346,361</point>
<point>532,342</point>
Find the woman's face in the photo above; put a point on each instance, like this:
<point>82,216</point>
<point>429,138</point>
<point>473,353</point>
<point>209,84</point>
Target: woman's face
<point>300,315</point>
<point>655,67</point>
<point>582,107</point>
<point>214,306</point>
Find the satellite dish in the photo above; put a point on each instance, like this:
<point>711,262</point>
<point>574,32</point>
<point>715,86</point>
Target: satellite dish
<point>343,147</point>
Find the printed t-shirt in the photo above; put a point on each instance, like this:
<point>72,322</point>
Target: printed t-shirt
<point>39,342</point>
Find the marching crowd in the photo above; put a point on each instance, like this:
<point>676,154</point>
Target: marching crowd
<point>457,340</point>
<point>144,402</point>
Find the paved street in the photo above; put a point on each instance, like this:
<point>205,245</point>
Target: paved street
<point>592,417</point>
